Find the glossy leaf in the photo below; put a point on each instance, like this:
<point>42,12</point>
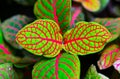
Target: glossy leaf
<point>113,25</point>
<point>57,10</point>
<point>117,64</point>
<point>41,37</point>
<point>11,26</point>
<point>86,38</point>
<point>90,5</point>
<point>7,71</point>
<point>93,74</point>
<point>64,66</point>
<point>108,56</point>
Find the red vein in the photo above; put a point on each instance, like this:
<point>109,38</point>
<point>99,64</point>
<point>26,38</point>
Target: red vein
<point>42,14</point>
<point>4,49</point>
<point>65,73</point>
<point>75,15</point>
<point>47,72</point>
<point>39,71</point>
<point>12,28</point>
<point>54,10</point>
<point>56,65</point>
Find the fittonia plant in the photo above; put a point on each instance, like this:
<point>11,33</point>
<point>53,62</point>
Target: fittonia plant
<point>111,53</point>
<point>52,37</point>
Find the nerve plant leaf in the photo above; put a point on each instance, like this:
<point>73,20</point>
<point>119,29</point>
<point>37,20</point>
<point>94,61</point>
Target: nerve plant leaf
<point>6,53</point>
<point>113,25</point>
<point>3,49</point>
<point>11,26</point>
<point>7,71</point>
<point>86,38</point>
<point>41,37</point>
<point>57,10</point>
<point>109,55</point>
<point>93,74</point>
<point>64,66</point>
<point>90,5</point>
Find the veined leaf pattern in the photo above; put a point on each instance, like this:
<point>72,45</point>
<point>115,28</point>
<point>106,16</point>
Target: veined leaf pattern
<point>6,53</point>
<point>57,10</point>
<point>11,26</point>
<point>108,56</point>
<point>64,66</point>
<point>86,38</point>
<point>113,25</point>
<point>41,37</point>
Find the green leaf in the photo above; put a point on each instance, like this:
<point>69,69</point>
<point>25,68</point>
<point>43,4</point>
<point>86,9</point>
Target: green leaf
<point>57,10</point>
<point>11,26</point>
<point>93,74</point>
<point>6,55</point>
<point>41,37</point>
<point>86,38</point>
<point>7,71</point>
<point>64,66</point>
<point>109,56</point>
<point>113,25</point>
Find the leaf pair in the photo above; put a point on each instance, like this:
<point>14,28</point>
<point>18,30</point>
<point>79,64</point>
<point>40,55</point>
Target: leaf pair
<point>43,37</point>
